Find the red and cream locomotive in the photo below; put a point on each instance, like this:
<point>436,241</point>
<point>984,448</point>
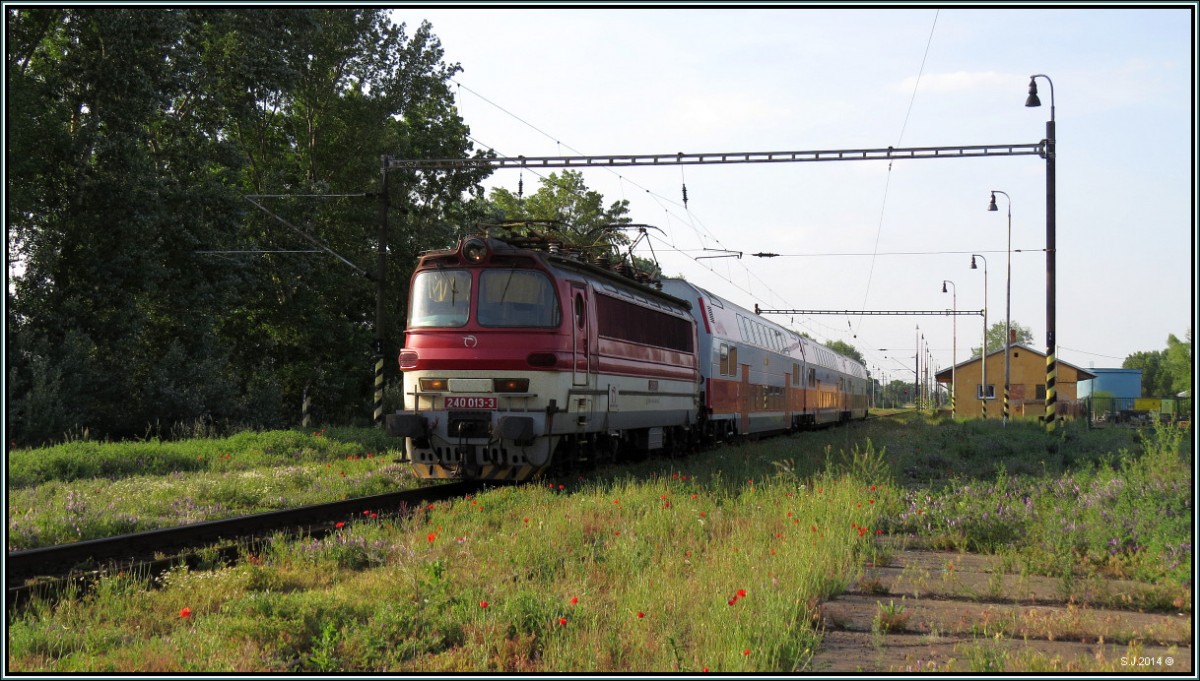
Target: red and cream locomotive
<point>520,356</point>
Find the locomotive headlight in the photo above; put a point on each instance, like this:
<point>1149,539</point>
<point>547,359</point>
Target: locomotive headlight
<point>510,385</point>
<point>475,251</point>
<point>433,385</point>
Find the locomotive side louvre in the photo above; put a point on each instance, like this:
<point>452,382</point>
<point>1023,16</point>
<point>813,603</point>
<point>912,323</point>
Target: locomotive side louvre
<point>515,358</point>
<point>760,377</point>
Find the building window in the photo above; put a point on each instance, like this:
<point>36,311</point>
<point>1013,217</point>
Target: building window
<point>991,392</point>
<point>1041,391</point>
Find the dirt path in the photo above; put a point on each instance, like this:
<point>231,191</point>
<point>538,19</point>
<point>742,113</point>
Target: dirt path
<point>942,609</point>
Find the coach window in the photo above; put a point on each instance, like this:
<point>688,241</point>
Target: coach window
<point>795,374</point>
<point>579,310</point>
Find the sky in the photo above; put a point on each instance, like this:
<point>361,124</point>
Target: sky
<point>871,235</point>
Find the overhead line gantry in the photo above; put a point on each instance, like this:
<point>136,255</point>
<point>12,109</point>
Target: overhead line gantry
<point>612,160</point>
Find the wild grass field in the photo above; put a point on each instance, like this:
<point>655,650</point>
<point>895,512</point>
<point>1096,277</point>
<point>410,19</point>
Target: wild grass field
<point>716,562</point>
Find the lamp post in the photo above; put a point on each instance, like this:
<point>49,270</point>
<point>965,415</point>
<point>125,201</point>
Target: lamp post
<point>983,358</point>
<point>1007,299</point>
<point>1051,363</point>
<point>954,347</point>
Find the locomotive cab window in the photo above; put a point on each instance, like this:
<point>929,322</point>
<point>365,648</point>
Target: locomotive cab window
<point>440,298</point>
<point>517,298</point>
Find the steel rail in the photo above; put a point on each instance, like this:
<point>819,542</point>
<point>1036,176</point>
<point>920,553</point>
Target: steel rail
<point>91,554</point>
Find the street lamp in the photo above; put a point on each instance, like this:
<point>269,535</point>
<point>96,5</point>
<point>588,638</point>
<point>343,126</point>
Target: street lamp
<point>954,348</point>
<point>983,388</point>
<point>1051,363</point>
<point>1007,298</point>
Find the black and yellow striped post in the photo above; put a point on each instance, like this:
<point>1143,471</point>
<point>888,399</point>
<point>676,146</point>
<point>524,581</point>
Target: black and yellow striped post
<point>1048,153</point>
<point>305,406</point>
<point>1051,392</point>
<point>1006,404</point>
<point>378,389</point>
<point>381,288</point>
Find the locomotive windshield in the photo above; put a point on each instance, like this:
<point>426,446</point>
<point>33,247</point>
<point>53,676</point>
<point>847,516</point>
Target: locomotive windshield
<point>507,298</point>
<point>523,298</point>
<point>440,298</point>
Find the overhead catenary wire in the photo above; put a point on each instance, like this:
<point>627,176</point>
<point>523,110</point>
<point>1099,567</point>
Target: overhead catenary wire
<point>899,140</point>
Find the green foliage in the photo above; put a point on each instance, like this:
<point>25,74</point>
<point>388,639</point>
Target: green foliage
<point>566,199</point>
<point>1165,373</point>
<point>135,136</point>
<point>996,337</point>
<point>844,348</point>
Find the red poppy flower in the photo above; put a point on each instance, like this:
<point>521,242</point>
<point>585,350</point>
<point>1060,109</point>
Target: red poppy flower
<point>185,612</point>
<point>339,525</point>
<point>741,593</point>
<point>432,536</point>
<point>746,651</point>
<point>641,615</point>
<point>574,600</point>
<point>483,604</point>
<point>562,621</point>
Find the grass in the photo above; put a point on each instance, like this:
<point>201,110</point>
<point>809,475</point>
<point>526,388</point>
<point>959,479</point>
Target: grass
<point>716,562</point>
<point>87,490</point>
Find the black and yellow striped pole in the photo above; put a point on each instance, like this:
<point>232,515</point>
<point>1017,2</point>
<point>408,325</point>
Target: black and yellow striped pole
<point>1048,154</point>
<point>305,406</point>
<point>380,279</point>
<point>378,388</point>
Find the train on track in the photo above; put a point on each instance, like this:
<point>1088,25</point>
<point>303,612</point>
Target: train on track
<point>523,355</point>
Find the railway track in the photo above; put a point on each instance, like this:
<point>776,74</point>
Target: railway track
<point>47,570</point>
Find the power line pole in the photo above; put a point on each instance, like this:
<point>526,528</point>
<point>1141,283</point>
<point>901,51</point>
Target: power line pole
<point>380,279</point>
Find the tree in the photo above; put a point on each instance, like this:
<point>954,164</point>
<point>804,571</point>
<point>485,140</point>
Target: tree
<point>1165,373</point>
<point>135,136</point>
<point>995,337</point>
<point>1154,379</point>
<point>566,199</point>
<point>844,348</point>
<point>1178,364</point>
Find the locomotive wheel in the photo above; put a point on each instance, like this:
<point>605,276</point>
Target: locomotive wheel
<point>605,450</point>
